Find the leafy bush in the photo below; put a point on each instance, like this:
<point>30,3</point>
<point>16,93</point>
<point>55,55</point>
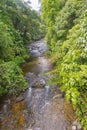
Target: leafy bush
<point>11,78</point>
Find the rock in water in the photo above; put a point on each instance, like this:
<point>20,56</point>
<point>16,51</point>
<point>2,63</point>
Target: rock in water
<point>30,77</point>
<point>19,98</point>
<point>38,83</point>
<point>77,124</point>
<point>74,128</point>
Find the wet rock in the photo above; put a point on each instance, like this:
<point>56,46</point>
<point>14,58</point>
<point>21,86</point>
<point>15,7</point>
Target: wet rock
<point>28,129</point>
<point>42,49</point>
<point>74,127</point>
<point>57,96</point>
<point>37,128</point>
<point>7,101</point>
<point>19,98</point>
<point>35,81</point>
<point>77,124</point>
<point>37,48</point>
<point>30,77</point>
<point>34,51</point>
<point>5,108</point>
<point>38,83</point>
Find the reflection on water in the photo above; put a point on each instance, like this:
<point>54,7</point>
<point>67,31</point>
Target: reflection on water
<point>44,63</point>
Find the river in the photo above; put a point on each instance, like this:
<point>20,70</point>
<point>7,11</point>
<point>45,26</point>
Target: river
<point>42,106</point>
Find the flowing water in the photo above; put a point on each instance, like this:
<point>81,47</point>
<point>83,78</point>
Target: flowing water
<point>39,108</point>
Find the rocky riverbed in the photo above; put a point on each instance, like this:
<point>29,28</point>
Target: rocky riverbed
<point>42,106</point>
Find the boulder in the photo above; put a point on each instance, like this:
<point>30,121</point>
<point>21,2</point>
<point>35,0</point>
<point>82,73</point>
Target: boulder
<point>74,128</point>
<point>38,83</point>
<point>77,124</point>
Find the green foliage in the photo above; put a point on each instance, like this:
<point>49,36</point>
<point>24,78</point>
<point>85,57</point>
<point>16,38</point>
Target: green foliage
<point>11,78</point>
<point>6,43</point>
<point>69,51</point>
<point>67,18</point>
<point>25,20</point>
<point>19,25</point>
<point>50,10</point>
<point>72,69</point>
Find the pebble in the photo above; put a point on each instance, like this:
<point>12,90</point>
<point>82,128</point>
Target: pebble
<point>74,128</point>
<point>77,124</point>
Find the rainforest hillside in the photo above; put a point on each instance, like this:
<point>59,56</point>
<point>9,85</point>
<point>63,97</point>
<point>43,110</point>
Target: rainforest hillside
<point>66,23</point>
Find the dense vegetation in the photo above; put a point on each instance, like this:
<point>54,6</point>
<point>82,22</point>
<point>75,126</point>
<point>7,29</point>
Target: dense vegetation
<point>66,23</point>
<point>19,25</point>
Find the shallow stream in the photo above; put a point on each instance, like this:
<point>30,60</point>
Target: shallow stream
<point>40,107</point>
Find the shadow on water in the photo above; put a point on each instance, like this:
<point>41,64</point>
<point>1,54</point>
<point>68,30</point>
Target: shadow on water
<point>38,108</point>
